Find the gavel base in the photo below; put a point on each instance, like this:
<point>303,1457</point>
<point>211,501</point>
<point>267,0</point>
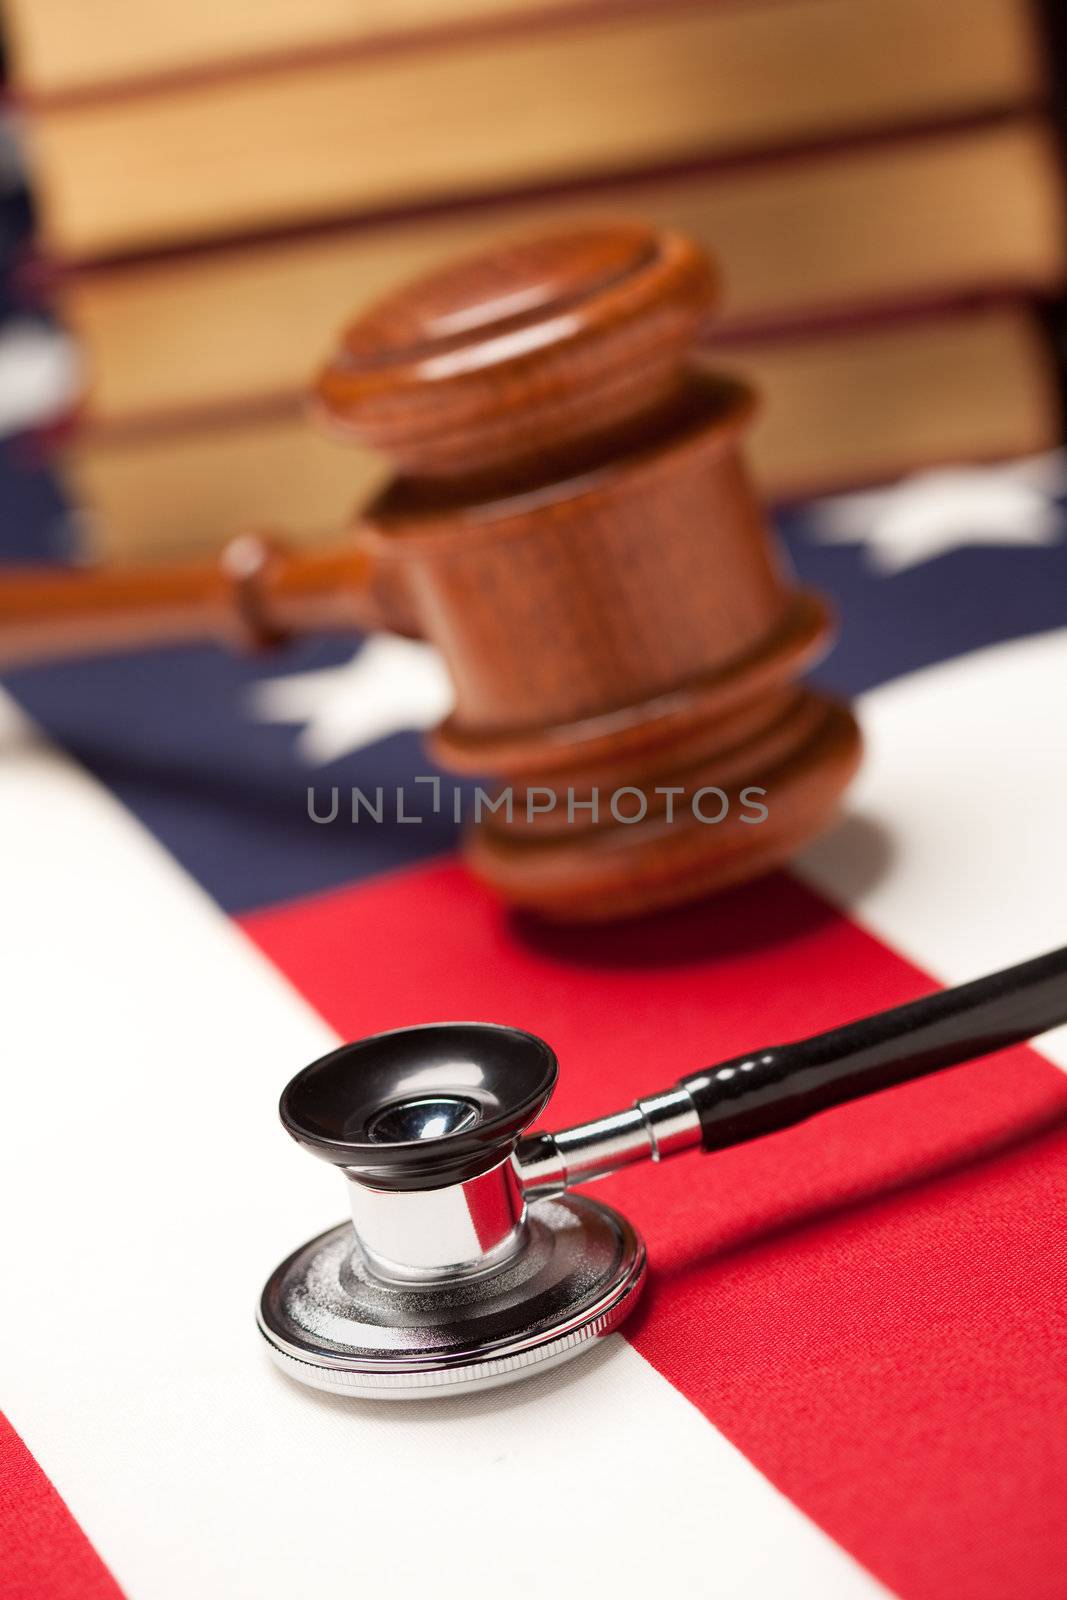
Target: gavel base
<point>592,871</point>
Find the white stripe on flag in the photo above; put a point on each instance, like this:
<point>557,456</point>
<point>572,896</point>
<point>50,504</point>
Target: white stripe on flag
<point>955,847</point>
<point>149,1189</point>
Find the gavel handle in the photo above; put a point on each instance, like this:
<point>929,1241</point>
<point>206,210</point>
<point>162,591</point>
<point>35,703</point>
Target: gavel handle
<point>256,592</point>
<point>771,1089</point>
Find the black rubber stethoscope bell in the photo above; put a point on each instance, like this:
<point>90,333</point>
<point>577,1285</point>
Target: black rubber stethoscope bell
<point>468,1263</point>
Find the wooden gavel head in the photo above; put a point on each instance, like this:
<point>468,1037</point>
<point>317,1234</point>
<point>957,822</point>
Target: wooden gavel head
<point>572,525</point>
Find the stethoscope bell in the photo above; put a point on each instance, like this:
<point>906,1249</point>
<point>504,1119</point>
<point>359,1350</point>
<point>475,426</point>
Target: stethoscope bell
<point>448,1277</point>
<point>467,1262</point>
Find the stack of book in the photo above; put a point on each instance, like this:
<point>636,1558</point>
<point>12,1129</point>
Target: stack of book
<point>220,188</point>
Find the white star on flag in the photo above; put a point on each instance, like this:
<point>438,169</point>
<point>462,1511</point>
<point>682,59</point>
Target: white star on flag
<point>934,512</point>
<point>40,374</point>
<point>390,686</point>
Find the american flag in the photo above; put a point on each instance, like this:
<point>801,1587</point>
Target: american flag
<point>849,1375</point>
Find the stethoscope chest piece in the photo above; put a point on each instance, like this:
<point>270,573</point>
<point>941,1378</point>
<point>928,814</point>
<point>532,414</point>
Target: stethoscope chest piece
<point>469,1262</point>
<point>330,1323</point>
<point>446,1279</point>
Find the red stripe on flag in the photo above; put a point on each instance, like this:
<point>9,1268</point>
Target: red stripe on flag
<point>44,1555</point>
<point>870,1306</point>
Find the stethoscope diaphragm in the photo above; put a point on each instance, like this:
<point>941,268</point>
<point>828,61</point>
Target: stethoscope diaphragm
<point>468,1261</point>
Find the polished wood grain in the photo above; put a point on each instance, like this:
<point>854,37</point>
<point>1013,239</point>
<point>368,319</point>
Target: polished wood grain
<point>511,361</point>
<point>573,526</point>
<point>256,594</point>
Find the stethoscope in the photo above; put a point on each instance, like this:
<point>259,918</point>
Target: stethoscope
<point>471,1262</point>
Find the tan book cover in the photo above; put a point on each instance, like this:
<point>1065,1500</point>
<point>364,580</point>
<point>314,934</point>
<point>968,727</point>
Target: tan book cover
<point>893,222</point>
<point>66,46</point>
<point>844,408</point>
<point>366,130</point>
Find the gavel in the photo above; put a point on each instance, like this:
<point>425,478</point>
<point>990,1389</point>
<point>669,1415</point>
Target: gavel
<point>572,525</point>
